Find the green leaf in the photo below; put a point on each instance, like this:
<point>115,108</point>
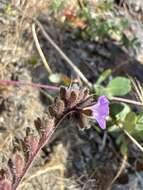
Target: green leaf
<point>100,90</point>
<point>119,111</point>
<point>103,76</point>
<point>113,128</point>
<point>119,86</point>
<point>139,127</point>
<point>55,78</point>
<point>120,139</point>
<point>130,122</point>
<point>124,148</point>
<point>116,108</point>
<point>107,6</point>
<point>123,145</point>
<point>34,60</point>
<point>139,124</point>
<point>56,6</point>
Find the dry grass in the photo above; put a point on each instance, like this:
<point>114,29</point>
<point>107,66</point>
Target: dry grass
<point>15,29</point>
<point>138,90</point>
<point>56,164</point>
<point>16,41</point>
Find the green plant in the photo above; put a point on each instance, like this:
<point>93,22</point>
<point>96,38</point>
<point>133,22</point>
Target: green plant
<point>100,26</point>
<point>56,6</point>
<point>118,86</point>
<point>123,120</point>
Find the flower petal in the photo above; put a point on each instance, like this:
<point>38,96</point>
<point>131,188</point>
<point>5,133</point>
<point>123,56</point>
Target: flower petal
<point>102,106</point>
<point>100,111</point>
<point>101,121</point>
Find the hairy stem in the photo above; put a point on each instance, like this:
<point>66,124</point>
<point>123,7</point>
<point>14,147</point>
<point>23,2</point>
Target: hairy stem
<point>43,142</point>
<point>35,85</point>
<point>32,158</point>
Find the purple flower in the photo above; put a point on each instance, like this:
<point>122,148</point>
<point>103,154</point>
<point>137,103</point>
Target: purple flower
<point>100,111</point>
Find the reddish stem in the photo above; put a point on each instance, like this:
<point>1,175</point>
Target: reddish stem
<point>43,142</point>
<point>33,157</point>
<point>35,85</point>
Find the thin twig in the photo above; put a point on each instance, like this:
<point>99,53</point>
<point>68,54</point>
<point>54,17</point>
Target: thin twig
<point>131,137</point>
<point>127,163</point>
<point>138,88</point>
<point>34,85</point>
<point>90,177</point>
<point>127,101</point>
<point>134,140</point>
<point>64,56</point>
<point>119,172</point>
<point>40,50</point>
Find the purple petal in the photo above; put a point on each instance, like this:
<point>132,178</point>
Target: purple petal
<point>101,121</point>
<point>100,111</point>
<point>102,107</point>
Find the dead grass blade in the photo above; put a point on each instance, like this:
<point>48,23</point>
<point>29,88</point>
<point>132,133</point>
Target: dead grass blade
<point>42,170</point>
<point>119,172</point>
<point>134,140</point>
<point>127,101</point>
<point>64,56</point>
<point>40,50</point>
<point>138,89</point>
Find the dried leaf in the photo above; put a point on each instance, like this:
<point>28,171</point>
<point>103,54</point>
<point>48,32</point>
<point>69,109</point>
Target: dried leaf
<point>38,123</point>
<point>87,112</point>
<point>63,93</point>
<point>57,108</point>
<point>25,148</point>
<point>86,93</point>
<point>40,126</point>
<point>60,107</point>
<point>12,169</point>
<point>72,99</point>
<point>52,111</point>
<point>33,144</point>
<point>19,164</point>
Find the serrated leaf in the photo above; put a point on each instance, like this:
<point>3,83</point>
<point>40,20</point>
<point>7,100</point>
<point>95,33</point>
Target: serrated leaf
<point>19,164</point>
<point>119,86</point>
